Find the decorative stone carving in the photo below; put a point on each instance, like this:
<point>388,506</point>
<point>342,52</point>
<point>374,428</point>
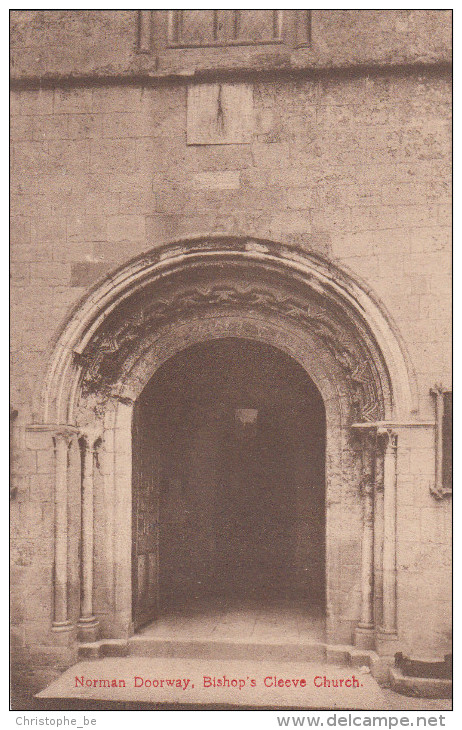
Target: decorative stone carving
<point>283,270</point>
<point>121,335</point>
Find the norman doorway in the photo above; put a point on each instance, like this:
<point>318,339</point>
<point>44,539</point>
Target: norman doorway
<point>229,486</point>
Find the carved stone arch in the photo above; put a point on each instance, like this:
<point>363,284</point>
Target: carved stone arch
<point>228,275</point>
<point>190,292</point>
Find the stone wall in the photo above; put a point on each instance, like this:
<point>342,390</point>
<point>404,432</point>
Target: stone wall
<point>367,185</point>
<point>354,167</point>
<point>108,44</point>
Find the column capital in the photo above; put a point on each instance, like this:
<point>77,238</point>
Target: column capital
<point>388,436</point>
<point>439,389</point>
<point>66,436</point>
<point>91,437</point>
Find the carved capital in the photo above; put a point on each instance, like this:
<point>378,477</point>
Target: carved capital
<point>438,389</point>
<point>91,439</point>
<point>387,438</point>
<point>63,436</point>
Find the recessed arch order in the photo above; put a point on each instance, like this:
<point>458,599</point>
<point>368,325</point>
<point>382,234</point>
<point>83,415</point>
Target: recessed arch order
<point>111,332</point>
<point>195,291</point>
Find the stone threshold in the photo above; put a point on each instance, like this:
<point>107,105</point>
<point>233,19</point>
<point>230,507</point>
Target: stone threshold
<point>428,687</point>
<point>219,683</point>
<point>141,645</point>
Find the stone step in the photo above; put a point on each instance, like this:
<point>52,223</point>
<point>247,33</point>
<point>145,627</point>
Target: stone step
<point>428,687</point>
<point>142,645</point>
<point>223,649</point>
<point>112,682</point>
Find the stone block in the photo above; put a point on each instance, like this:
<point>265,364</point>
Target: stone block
<point>331,219</point>
<point>69,156</point>
<point>31,253</point>
<point>126,228</point>
<point>85,126</point>
<point>422,461</point>
<point>116,99</point>
<point>113,156</point>
<point>59,273</point>
<point>420,687</point>
<point>105,204</point>
<point>84,274</point>
<point>27,159</point>
<point>117,125</point>
<point>38,440</point>
<point>70,252</point>
<point>432,525</point>
<point>352,244</point>
<point>219,180</point>
<point>271,155</point>
<point>73,100</point>
<point>20,230</point>
<point>36,101</point>
<point>435,307</point>
<point>212,157</point>
<point>19,273</point>
<point>54,126</point>
<point>284,223</point>
<point>48,230</point>
<point>408,522</point>
<point>85,227</point>
<point>300,199</point>
<point>141,202</point>
<point>41,488</point>
<point>45,461</point>
<point>123,251</point>
<point>23,128</point>
<point>15,104</point>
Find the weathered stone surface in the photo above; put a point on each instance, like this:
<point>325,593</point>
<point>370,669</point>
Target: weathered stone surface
<point>108,43</point>
<point>351,167</point>
<point>220,114</point>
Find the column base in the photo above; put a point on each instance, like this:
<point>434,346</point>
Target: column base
<point>87,629</point>
<point>61,626</point>
<point>365,636</point>
<point>387,643</point>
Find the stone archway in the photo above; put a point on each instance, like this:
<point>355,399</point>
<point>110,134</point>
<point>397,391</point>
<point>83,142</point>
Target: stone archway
<point>192,292</point>
<point>228,498</point>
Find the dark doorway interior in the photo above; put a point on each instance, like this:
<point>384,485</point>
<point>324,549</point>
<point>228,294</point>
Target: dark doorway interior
<point>229,451</point>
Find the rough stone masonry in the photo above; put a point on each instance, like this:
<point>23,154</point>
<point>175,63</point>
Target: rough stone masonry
<point>338,145</point>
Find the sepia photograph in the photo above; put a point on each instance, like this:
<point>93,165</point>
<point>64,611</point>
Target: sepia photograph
<point>231,356</point>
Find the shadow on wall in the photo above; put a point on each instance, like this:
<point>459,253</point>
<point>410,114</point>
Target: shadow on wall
<point>240,431</point>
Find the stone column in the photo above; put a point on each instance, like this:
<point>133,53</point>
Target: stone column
<point>364,633</point>
<point>438,392</point>
<point>87,625</point>
<point>439,489</point>
<point>378,537</point>
<point>389,617</point>
<point>62,440</point>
